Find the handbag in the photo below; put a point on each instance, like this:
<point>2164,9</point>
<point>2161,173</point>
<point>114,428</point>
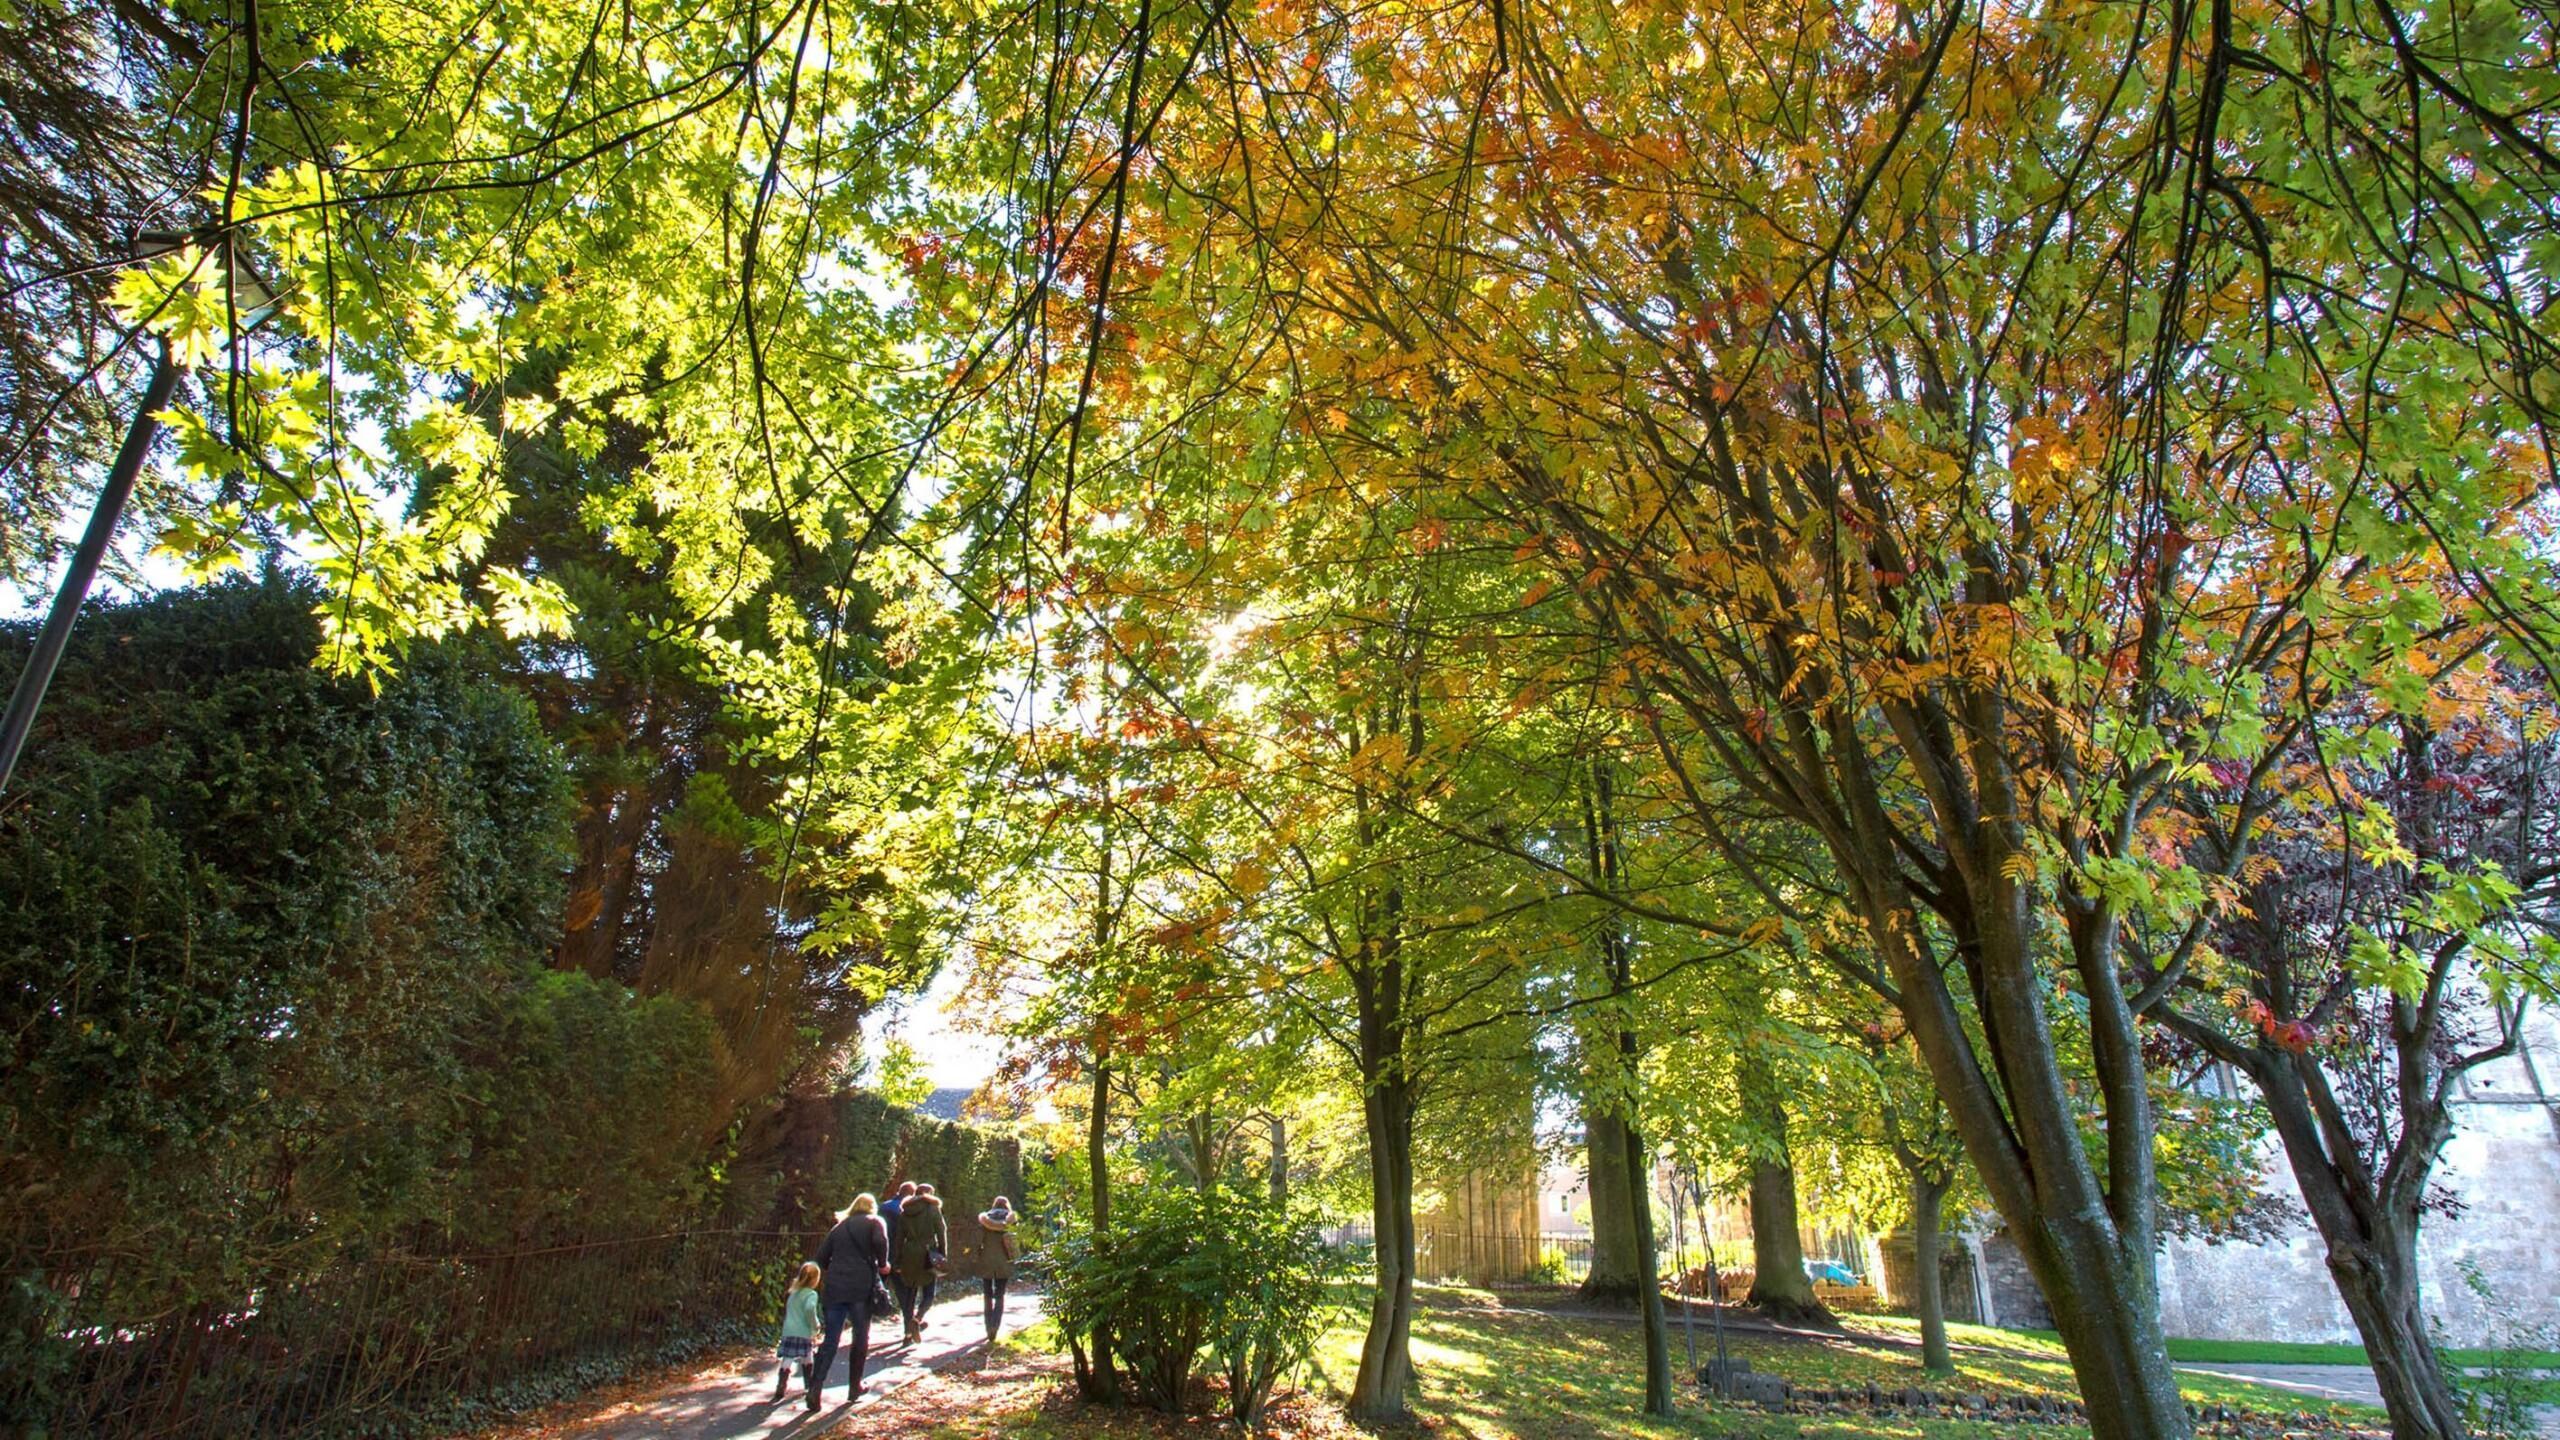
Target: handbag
<point>881,1304</point>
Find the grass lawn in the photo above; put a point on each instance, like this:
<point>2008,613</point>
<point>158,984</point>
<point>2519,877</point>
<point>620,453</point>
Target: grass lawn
<point>2277,1352</point>
<point>1495,1373</point>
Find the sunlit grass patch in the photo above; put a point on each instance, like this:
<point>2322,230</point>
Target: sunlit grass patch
<point>1490,1372</point>
<point>1598,1366</point>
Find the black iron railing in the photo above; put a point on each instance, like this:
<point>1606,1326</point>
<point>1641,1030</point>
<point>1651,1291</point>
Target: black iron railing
<point>1490,1260</point>
<point>372,1347</point>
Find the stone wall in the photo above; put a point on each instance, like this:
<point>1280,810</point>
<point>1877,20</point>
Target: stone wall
<point>1896,1266</point>
<point>2503,1170</point>
<point>2009,1291</point>
<point>2503,1166</point>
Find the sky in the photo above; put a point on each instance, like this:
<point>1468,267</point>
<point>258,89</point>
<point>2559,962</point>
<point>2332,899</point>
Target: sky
<point>951,1057</point>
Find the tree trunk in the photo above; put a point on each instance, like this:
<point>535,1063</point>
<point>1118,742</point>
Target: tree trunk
<point>2372,1249</point>
<point>1614,1123</point>
<point>1614,1279</point>
<point>2380,1288</point>
<point>1097,1135</point>
<point>1279,1162</point>
<point>2087,1240</point>
<point>608,867</point>
<point>2370,1232</point>
<point>1639,1204</point>
<point>1097,1372</point>
<point>1386,1353</point>
<point>2119,1357</point>
<point>1779,1286</point>
<point>1928,1283</point>
<point>1199,1138</point>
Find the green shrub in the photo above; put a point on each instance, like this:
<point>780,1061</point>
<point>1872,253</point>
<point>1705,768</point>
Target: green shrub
<point>274,990</point>
<point>1181,1272</point>
<point>279,1021</point>
<point>1274,1306</point>
<point>2502,1395</point>
<point>255,920</point>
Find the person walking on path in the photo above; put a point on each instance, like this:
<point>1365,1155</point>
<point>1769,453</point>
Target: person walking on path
<point>989,1243</point>
<point>889,1210</point>
<point>924,1241</point>
<point>799,1328</point>
<point>851,1261</point>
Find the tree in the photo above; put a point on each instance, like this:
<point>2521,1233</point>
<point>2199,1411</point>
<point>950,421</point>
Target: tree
<point>2394,925</point>
<point>681,884</point>
<point>1956,542</point>
<point>1744,1055</point>
<point>1631,1196</point>
<point>1780,1285</point>
<point>82,168</point>
<point>1951,446</point>
<point>1913,1127</point>
<point>1615,1278</point>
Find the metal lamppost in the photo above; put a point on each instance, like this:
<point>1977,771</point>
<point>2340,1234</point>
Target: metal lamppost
<point>253,302</point>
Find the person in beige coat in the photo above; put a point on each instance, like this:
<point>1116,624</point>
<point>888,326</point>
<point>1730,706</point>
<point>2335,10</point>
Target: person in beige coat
<point>986,1248</point>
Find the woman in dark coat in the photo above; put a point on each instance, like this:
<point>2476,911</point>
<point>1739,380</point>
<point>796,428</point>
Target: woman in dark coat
<point>923,1241</point>
<point>852,1258</point>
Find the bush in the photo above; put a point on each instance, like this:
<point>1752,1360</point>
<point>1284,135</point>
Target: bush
<point>279,1022</point>
<point>256,921</point>
<point>840,1144</point>
<point>1181,1271</point>
<point>1274,1307</point>
<point>275,1005</point>
<point>2501,1399</point>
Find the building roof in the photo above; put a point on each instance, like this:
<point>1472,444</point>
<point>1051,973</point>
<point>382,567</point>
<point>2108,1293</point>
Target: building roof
<point>945,1103</point>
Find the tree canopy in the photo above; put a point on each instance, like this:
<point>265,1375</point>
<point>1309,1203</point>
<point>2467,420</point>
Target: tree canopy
<point>1874,547</point>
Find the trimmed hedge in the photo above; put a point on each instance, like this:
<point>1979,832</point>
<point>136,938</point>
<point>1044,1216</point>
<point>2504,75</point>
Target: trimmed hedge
<point>870,1144</point>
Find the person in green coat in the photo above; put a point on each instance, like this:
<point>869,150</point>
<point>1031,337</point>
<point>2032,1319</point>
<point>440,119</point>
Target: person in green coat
<point>924,1241</point>
<point>799,1328</point>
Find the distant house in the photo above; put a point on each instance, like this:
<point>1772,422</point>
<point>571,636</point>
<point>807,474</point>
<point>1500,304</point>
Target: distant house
<point>1564,1201</point>
<point>945,1103</point>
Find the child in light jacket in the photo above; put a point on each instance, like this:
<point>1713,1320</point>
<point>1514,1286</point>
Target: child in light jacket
<point>799,1329</point>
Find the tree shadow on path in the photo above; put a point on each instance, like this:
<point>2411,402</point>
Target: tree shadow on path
<point>734,1399</point>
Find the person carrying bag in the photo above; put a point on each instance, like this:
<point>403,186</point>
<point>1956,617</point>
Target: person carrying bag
<point>850,1261</point>
<point>923,1242</point>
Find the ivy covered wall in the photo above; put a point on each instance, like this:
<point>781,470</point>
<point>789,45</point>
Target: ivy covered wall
<point>854,1141</point>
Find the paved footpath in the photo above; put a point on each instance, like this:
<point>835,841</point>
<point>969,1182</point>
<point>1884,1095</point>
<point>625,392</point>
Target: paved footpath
<point>736,1400</point>
<point>2332,1382</point>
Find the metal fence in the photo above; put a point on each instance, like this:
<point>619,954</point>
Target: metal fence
<point>1496,1261</point>
<point>387,1346</point>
